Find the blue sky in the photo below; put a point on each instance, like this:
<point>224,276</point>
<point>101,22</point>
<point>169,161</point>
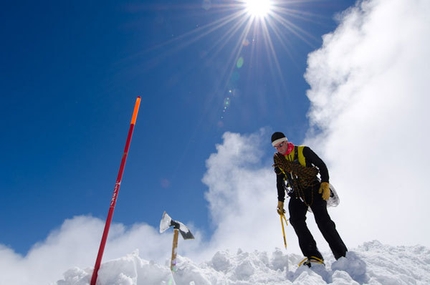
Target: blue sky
<point>71,71</point>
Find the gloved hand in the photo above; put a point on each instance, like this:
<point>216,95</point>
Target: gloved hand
<point>280,208</point>
<point>325,190</point>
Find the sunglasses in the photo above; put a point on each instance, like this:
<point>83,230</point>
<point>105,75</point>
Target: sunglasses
<point>280,145</point>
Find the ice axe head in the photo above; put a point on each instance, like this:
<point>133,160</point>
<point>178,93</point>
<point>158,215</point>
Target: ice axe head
<point>167,222</point>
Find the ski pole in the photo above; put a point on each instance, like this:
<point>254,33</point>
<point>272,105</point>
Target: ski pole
<point>115,193</point>
<point>283,219</point>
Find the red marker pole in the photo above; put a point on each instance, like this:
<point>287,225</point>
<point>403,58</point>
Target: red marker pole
<point>115,192</point>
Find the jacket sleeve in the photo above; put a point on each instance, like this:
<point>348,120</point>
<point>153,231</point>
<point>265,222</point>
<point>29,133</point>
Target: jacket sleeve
<point>280,184</point>
<point>312,158</point>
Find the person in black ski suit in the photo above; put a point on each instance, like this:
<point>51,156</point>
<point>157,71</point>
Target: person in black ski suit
<point>305,190</point>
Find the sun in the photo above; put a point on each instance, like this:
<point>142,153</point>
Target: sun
<point>258,8</point>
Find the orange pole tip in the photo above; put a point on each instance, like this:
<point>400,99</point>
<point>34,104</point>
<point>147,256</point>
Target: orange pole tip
<point>136,110</point>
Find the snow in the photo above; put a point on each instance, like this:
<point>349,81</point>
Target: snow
<point>371,263</point>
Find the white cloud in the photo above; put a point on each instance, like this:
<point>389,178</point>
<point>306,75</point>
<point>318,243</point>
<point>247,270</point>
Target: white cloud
<point>369,99</point>
<point>76,243</point>
<point>242,195</point>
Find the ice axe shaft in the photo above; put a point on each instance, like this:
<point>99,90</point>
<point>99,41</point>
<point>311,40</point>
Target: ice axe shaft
<point>283,219</point>
<point>174,249</point>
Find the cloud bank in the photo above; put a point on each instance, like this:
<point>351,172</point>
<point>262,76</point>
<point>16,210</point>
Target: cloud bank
<point>369,95</point>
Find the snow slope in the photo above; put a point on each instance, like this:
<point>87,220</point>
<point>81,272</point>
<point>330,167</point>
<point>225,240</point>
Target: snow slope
<point>371,263</point>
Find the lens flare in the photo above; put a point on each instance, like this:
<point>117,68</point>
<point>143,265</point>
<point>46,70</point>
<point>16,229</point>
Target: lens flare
<point>239,62</point>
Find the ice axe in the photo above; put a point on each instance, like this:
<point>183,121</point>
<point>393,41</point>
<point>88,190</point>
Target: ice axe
<point>178,227</point>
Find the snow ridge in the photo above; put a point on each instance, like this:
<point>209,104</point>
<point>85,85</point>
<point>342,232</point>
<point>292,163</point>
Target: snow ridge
<point>371,263</point>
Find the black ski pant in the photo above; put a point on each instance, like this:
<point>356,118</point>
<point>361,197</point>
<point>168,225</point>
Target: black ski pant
<point>298,209</point>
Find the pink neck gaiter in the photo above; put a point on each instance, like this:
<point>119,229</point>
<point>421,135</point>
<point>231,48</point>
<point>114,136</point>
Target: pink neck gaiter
<point>290,147</point>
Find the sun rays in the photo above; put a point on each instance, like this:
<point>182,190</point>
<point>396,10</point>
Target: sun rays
<point>260,34</point>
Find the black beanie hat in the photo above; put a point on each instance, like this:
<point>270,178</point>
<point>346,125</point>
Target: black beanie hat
<point>278,137</point>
